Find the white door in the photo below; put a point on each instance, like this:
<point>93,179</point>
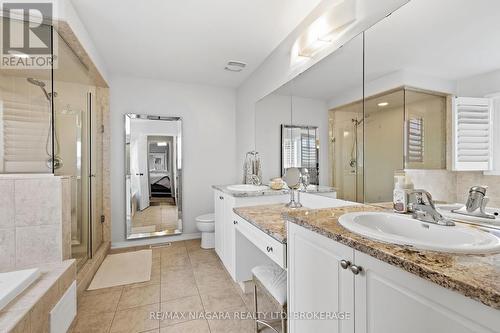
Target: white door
<point>391,300</point>
<point>219,223</point>
<point>317,284</point>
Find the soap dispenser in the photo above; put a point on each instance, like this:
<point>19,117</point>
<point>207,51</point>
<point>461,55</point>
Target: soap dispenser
<point>402,186</point>
<point>399,197</point>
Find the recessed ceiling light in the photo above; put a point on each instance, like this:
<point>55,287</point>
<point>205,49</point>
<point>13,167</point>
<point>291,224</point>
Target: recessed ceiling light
<point>235,66</point>
<point>383,104</point>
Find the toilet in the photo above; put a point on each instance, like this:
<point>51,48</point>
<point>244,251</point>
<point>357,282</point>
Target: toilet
<point>206,225</point>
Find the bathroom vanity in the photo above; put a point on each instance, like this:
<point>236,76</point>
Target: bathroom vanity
<point>384,287</point>
<point>364,285</point>
<point>225,226</point>
<point>245,243</point>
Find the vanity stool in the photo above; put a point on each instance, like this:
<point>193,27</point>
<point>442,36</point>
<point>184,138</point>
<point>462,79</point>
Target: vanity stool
<point>271,279</point>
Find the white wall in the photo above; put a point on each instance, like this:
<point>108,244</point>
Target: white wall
<point>274,110</point>
<point>65,11</point>
<point>209,141</point>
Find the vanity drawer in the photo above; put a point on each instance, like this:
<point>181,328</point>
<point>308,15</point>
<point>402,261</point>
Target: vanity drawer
<point>270,246</point>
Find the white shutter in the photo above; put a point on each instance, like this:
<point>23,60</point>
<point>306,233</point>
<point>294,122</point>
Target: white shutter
<point>472,134</point>
<point>24,127</point>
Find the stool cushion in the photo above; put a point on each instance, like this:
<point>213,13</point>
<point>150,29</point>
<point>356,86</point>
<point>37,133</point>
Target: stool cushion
<point>206,218</point>
<point>273,278</point>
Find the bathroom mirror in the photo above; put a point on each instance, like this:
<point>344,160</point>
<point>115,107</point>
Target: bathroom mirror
<point>440,52</point>
<point>300,149</point>
<point>153,146</point>
<point>270,113</point>
<point>291,177</point>
<point>318,93</point>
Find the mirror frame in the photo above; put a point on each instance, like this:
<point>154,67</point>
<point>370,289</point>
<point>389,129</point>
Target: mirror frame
<point>179,184</point>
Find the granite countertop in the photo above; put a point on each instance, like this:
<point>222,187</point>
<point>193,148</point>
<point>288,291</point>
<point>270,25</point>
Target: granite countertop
<point>475,276</point>
<point>269,191</point>
<point>268,218</point>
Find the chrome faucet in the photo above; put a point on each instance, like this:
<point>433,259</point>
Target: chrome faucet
<point>476,203</point>
<point>305,179</point>
<point>426,212</point>
<point>254,180</point>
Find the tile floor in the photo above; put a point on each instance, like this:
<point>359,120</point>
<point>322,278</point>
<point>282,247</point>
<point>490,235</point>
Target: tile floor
<point>184,278</point>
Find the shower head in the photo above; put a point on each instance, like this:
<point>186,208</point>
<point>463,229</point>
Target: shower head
<point>31,80</point>
<point>41,84</point>
<point>357,122</point>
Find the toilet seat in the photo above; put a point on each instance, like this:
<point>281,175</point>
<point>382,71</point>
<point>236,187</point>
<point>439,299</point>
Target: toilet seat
<point>205,226</point>
<point>206,218</point>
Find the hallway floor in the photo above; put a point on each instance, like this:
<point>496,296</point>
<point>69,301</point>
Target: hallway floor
<point>184,278</point>
<point>159,216</point>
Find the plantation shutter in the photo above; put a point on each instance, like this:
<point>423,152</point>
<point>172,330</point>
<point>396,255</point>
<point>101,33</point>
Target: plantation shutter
<point>24,129</point>
<point>308,149</point>
<point>472,134</point>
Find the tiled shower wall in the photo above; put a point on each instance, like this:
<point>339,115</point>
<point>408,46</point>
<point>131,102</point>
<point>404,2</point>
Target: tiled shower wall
<point>35,220</point>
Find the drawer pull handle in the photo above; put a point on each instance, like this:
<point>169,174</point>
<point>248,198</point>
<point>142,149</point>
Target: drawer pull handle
<point>345,264</point>
<point>235,222</point>
<point>356,269</point>
<point>269,249</point>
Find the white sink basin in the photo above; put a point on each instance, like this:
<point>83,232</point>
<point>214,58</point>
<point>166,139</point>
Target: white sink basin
<point>446,210</point>
<point>404,230</point>
<point>247,188</point>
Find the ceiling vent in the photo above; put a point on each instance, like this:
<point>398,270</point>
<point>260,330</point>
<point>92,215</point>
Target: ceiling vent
<point>235,66</point>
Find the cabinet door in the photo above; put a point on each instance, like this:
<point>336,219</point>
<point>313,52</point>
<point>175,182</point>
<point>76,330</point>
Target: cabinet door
<point>219,223</point>
<point>391,300</point>
<point>317,283</point>
<point>229,235</point>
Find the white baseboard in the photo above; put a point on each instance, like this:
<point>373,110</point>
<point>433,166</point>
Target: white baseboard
<point>152,241</point>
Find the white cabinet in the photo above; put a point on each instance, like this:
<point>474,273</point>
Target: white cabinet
<point>225,229</point>
<point>388,299</point>
<point>317,283</point>
<point>219,219</point>
<point>381,298</point>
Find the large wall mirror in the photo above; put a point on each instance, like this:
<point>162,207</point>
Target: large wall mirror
<point>271,112</point>
<point>414,74</point>
<point>153,146</point>
<point>396,98</point>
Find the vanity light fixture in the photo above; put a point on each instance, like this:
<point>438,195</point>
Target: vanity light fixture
<point>235,66</point>
<point>382,104</point>
<point>327,28</point>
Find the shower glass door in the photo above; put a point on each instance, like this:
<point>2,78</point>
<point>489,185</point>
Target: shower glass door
<point>74,146</point>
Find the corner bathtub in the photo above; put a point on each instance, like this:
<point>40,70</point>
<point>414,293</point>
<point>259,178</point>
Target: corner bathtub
<point>14,283</point>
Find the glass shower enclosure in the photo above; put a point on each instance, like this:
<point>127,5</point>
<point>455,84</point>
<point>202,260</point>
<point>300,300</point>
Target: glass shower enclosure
<point>49,124</point>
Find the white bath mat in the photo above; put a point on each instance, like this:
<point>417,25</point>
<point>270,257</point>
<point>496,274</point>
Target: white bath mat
<point>123,268</point>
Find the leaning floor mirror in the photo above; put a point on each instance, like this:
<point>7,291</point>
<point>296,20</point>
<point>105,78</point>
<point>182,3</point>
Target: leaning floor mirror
<point>153,177</point>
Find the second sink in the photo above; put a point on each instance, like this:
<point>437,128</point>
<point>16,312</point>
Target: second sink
<point>404,230</point>
<point>247,188</point>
